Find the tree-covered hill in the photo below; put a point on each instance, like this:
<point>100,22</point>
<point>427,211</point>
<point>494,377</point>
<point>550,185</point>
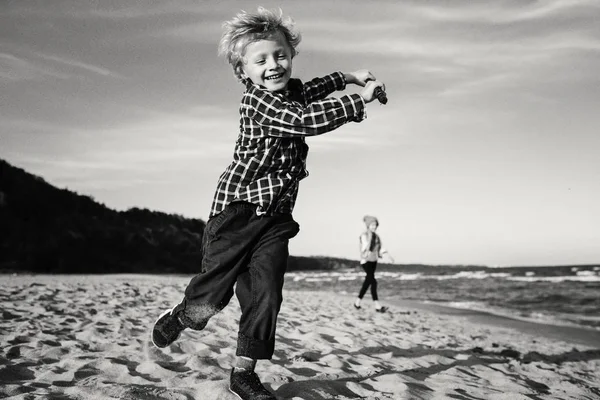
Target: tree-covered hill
<point>46,229</point>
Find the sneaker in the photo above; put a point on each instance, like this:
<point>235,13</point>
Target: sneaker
<point>381,310</point>
<point>247,386</point>
<point>167,329</point>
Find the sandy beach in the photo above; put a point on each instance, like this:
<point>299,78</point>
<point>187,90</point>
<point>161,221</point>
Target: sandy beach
<point>87,337</point>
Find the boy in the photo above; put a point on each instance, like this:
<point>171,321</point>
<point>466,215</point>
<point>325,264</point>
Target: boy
<point>246,237</point>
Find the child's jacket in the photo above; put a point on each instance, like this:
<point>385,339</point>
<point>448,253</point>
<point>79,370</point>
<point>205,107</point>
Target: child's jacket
<point>370,247</point>
<point>270,153</point>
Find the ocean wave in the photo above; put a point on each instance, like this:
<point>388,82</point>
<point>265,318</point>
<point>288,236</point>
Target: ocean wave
<point>574,278</point>
<point>559,319</point>
<point>560,300</point>
<point>580,276</point>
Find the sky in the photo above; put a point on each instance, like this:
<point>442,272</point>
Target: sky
<point>487,153</point>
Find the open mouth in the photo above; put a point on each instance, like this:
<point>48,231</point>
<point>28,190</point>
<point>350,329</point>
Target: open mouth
<point>273,77</point>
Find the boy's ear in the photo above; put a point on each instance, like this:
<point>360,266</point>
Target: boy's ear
<point>242,72</point>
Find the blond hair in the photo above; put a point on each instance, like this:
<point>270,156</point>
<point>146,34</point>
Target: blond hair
<point>246,28</point>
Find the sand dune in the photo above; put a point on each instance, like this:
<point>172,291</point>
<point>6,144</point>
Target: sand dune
<point>87,337</point>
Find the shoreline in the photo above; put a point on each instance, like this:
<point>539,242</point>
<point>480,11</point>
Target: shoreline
<point>576,334</point>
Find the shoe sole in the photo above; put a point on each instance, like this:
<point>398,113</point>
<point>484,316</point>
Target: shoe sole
<point>236,395</point>
<point>152,331</point>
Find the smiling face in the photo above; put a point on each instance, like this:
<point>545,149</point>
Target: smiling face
<point>373,226</point>
<point>268,62</point>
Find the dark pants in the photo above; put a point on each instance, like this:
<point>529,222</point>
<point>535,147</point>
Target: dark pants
<point>252,251</point>
<point>370,280</point>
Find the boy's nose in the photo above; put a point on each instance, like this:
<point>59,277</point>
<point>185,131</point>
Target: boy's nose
<point>272,63</point>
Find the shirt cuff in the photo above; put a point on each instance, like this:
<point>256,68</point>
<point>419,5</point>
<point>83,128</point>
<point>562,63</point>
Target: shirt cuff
<point>339,80</point>
<point>354,107</point>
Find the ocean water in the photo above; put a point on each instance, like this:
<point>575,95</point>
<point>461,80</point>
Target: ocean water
<point>554,295</point>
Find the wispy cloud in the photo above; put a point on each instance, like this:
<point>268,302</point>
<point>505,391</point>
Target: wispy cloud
<point>480,84</point>
<point>449,45</point>
<point>469,48</point>
<point>346,138</point>
<point>201,32</point>
<point>162,138</point>
<point>40,65</point>
<point>13,68</point>
<point>503,12</point>
<point>122,10</point>
<point>79,65</point>
<point>88,175</point>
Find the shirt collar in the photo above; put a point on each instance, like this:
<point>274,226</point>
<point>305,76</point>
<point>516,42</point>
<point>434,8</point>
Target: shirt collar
<point>291,93</point>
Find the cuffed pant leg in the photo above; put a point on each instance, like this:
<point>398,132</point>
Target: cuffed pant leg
<point>259,289</point>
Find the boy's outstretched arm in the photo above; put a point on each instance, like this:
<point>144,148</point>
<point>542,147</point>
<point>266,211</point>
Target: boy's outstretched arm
<point>320,88</point>
<point>286,119</point>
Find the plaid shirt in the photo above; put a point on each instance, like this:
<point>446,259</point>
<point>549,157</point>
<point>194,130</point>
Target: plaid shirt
<point>270,153</point>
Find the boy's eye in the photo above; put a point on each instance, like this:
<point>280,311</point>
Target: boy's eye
<point>261,61</point>
<point>282,56</point>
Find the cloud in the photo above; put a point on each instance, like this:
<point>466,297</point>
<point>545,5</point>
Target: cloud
<point>88,175</point>
<point>199,32</point>
<point>79,65</point>
<point>461,33</point>
<point>467,48</point>
<point>13,68</point>
<point>348,136</point>
<point>122,10</point>
<point>14,127</point>
<point>504,12</point>
<point>133,153</point>
<point>200,133</point>
<point>152,143</point>
<point>390,40</point>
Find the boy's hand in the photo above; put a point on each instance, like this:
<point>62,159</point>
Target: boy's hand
<point>360,77</point>
<point>368,92</point>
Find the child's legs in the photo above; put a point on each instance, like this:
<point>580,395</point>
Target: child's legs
<point>369,268</point>
<point>259,288</point>
<point>227,240</point>
<point>365,285</point>
<point>374,283</point>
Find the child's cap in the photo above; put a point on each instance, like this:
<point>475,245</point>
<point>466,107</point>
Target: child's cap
<point>369,219</point>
